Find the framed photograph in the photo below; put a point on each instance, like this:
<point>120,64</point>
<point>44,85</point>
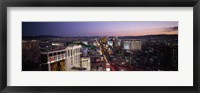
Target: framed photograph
<point>106,46</point>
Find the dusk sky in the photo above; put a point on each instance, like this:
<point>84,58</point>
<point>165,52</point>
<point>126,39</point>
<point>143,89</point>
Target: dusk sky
<point>70,29</point>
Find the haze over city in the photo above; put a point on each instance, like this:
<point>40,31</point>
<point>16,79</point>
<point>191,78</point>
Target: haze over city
<point>128,28</point>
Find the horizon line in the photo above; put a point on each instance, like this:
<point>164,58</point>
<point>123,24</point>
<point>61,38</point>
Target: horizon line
<point>96,35</point>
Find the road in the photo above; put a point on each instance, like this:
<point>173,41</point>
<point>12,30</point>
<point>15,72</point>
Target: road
<point>104,53</point>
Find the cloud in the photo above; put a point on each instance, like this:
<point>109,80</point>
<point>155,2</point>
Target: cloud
<point>169,29</point>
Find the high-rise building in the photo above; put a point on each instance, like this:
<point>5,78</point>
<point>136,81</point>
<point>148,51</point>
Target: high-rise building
<point>127,45</point>
<point>62,59</point>
<point>30,55</point>
<point>133,45</point>
<point>116,42</point>
<point>30,51</point>
<point>73,56</point>
<point>53,60</point>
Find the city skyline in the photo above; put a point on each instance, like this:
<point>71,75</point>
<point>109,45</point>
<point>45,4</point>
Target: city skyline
<point>70,29</point>
<point>100,46</point>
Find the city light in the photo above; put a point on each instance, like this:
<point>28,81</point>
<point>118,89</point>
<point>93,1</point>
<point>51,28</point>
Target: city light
<point>113,52</point>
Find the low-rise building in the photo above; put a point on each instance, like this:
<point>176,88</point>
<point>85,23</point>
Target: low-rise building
<point>86,63</point>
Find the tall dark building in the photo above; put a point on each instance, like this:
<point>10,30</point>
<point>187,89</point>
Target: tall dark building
<point>30,54</point>
<point>31,51</point>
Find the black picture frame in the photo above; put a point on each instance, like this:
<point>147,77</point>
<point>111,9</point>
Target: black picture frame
<point>98,3</point>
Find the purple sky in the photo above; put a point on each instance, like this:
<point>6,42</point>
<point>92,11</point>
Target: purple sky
<point>135,28</point>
